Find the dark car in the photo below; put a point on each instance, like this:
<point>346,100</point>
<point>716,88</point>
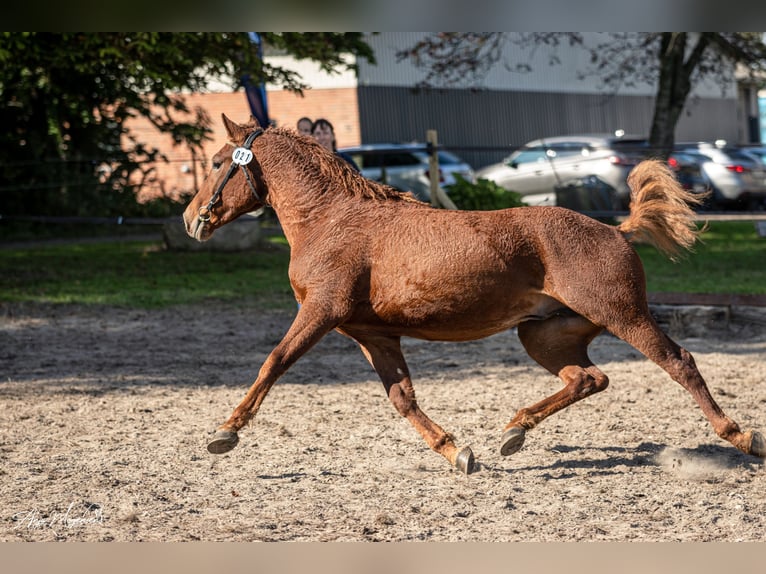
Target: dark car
<point>758,153</point>
<point>406,167</point>
<point>689,169</point>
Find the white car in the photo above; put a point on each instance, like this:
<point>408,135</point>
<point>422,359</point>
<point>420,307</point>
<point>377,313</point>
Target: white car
<point>737,178</point>
<point>405,166</point>
<point>579,171</point>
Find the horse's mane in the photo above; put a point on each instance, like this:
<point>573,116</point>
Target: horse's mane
<point>326,170</point>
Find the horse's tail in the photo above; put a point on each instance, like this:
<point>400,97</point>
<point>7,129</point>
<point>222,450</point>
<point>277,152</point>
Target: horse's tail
<point>660,209</point>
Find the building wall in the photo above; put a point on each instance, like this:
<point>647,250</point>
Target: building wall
<point>484,127</point>
<point>338,105</point>
<point>507,109</point>
<point>183,173</point>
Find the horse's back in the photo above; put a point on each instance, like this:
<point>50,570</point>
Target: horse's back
<point>527,245</point>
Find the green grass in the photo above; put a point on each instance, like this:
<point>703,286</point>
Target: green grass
<point>732,259</point>
<point>142,275</point>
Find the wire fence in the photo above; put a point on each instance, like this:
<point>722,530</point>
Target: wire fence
<point>124,220</point>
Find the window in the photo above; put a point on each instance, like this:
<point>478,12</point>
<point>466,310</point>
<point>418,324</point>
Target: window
<point>528,155</point>
<point>386,158</point>
<point>569,150</point>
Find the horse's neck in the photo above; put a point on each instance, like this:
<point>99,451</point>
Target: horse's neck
<point>305,200</point>
<point>297,222</point>
<point>302,206</point>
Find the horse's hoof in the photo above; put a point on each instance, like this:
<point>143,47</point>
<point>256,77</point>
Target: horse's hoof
<point>464,460</point>
<point>223,441</point>
<point>513,440</point>
<point>757,445</point>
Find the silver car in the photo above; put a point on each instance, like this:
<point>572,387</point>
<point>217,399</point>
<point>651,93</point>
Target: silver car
<point>579,171</point>
<point>736,177</point>
<point>406,167</point>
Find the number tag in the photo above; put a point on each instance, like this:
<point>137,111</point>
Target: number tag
<point>242,156</point>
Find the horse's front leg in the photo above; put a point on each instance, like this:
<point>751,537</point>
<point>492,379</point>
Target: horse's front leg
<point>309,326</point>
<point>385,356</point>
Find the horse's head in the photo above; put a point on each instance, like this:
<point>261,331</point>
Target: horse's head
<point>233,186</point>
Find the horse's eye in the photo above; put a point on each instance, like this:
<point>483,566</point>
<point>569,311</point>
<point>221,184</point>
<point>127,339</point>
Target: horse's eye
<point>216,165</point>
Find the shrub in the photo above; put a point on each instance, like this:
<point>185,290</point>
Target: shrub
<point>482,195</point>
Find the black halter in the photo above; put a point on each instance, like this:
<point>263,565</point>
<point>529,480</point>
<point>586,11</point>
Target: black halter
<point>240,157</point>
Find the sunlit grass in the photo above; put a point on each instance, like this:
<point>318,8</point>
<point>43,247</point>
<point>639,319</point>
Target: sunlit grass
<point>142,274</point>
<point>731,259</point>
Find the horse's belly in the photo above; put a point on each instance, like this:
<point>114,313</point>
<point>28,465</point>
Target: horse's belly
<point>460,316</point>
<point>458,290</point>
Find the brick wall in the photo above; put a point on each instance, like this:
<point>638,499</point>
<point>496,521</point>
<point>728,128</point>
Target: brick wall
<point>338,105</point>
<point>183,174</point>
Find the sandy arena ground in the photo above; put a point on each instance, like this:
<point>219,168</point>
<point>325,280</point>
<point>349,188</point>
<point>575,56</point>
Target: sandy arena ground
<point>106,414</point>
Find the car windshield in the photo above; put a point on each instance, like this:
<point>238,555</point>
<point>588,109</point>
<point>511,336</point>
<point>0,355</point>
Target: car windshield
<point>384,158</point>
<point>393,156</point>
<point>737,155</point>
<point>633,147</point>
<point>569,149</point>
<point>447,158</point>
<point>758,154</point>
<point>690,157</point>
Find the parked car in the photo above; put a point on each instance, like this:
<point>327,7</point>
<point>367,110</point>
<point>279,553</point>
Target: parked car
<point>406,167</point>
<point>690,170</point>
<point>736,178</point>
<point>758,153</point>
<point>543,171</point>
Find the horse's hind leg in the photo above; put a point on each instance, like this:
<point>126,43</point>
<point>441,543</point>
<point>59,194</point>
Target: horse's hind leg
<point>560,344</point>
<point>385,356</point>
<point>648,338</point>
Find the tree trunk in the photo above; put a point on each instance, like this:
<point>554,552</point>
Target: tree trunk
<point>674,87</point>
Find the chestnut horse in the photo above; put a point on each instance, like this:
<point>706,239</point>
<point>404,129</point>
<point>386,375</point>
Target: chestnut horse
<point>376,265</point>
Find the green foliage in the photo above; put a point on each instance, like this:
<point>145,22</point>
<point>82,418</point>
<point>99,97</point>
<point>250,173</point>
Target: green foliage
<point>482,195</point>
<point>66,98</point>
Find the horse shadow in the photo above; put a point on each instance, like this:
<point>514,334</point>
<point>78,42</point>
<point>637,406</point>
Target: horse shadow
<point>710,458</point>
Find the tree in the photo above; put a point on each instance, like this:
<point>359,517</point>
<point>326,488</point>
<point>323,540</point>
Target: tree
<point>673,61</point>
<point>65,99</point>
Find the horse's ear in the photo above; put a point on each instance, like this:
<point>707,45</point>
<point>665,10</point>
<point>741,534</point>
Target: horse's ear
<point>255,122</point>
<point>234,130</point>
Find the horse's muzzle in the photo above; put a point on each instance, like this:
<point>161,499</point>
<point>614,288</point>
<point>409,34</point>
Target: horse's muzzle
<point>197,225</point>
<point>204,214</point>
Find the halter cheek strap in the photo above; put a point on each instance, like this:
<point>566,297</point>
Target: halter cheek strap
<point>240,158</point>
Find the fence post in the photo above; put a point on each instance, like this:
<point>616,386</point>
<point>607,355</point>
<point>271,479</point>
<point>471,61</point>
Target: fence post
<point>438,197</point>
<point>433,166</point>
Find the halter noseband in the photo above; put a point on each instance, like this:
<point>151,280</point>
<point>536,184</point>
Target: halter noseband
<point>240,157</point>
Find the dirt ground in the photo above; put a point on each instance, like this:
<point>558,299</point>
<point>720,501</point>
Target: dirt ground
<point>106,414</point>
